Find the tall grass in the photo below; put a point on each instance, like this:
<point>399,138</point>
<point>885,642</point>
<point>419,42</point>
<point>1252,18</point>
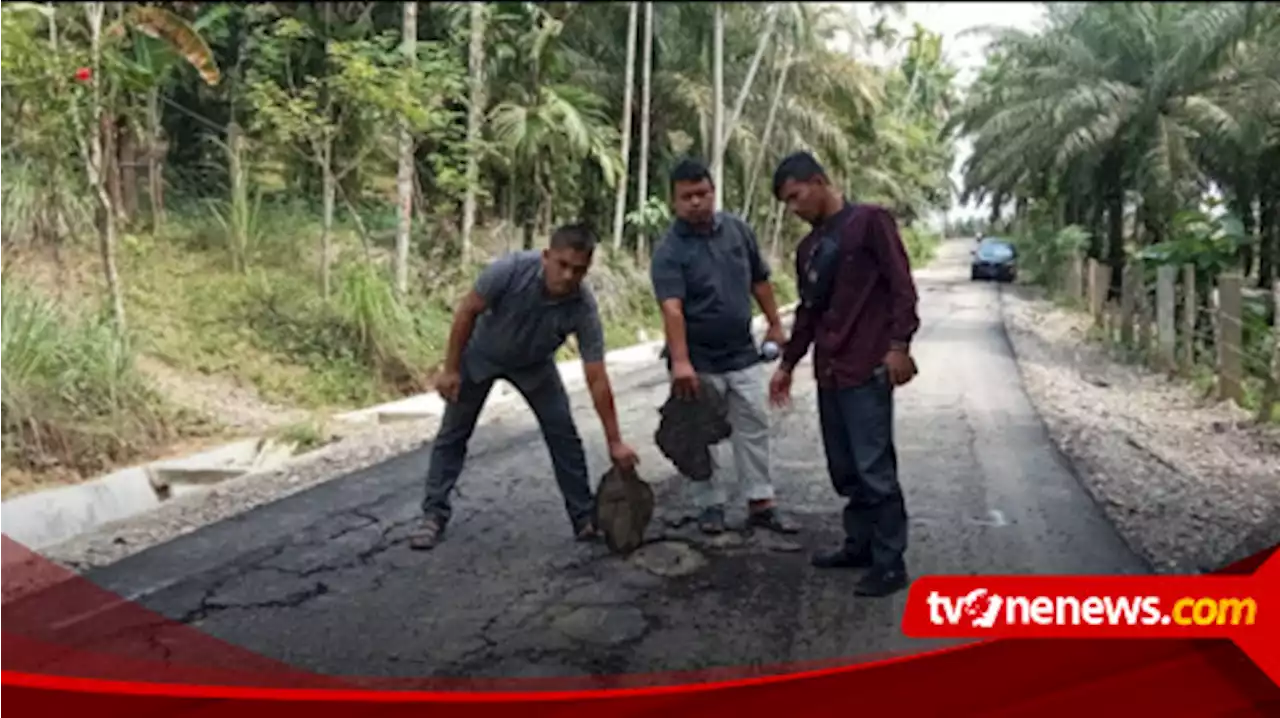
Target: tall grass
<point>72,396</point>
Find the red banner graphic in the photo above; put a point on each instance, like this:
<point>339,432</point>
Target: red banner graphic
<point>70,646</point>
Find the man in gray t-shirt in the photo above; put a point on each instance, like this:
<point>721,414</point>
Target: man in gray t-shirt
<point>522,309</point>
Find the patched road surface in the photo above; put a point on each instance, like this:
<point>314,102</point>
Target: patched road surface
<point>325,580</point>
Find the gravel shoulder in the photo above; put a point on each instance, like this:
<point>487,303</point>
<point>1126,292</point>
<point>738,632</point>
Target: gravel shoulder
<point>1191,484</point>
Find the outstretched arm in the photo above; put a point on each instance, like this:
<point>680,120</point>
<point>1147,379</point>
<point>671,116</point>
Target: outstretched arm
<point>886,242</point>
<point>591,346</point>
<point>904,321</point>
<point>464,321</point>
<point>762,288</point>
<point>802,331</point>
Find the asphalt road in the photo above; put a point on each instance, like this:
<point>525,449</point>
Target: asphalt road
<point>325,580</point>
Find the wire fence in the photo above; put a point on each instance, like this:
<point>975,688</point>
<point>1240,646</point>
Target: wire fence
<point>1175,320</point>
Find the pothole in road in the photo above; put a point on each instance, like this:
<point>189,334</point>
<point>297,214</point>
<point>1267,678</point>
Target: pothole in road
<point>603,625</point>
<point>668,558</point>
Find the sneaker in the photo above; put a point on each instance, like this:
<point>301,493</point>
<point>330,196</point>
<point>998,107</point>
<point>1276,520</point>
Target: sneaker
<point>427,535</point>
<point>772,520</point>
<point>841,558</point>
<point>711,521</point>
<point>879,583</point>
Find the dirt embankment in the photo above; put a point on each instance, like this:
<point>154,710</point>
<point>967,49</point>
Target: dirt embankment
<point>1192,484</point>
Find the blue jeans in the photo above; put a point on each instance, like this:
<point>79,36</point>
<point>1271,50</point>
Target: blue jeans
<point>857,433</point>
<point>544,391</point>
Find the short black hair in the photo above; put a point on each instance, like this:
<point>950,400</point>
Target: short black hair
<point>690,169</point>
<point>798,166</point>
<point>578,237</point>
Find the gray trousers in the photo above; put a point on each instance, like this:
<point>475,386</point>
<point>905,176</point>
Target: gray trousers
<point>746,393</point>
<point>857,432</point>
<point>545,394</point>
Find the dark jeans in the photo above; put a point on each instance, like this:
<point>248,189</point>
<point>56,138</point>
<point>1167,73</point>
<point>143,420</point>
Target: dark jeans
<point>543,390</point>
<point>857,432</point>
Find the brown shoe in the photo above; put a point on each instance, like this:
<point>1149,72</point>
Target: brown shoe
<point>427,535</point>
<point>588,532</point>
<point>769,518</point>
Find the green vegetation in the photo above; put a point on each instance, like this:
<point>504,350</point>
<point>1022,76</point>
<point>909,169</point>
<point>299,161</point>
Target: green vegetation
<point>1111,130</point>
<point>293,197</point>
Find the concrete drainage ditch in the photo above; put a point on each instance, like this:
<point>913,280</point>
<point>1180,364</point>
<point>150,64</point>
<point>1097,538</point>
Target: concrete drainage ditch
<point>46,518</point>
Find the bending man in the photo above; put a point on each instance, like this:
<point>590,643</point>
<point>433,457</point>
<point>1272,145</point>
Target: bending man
<point>705,272</point>
<point>522,308</point>
<point>858,309</point>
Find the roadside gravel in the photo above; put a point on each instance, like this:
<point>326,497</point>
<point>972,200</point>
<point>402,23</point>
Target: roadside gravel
<point>354,448</point>
<point>1191,484</point>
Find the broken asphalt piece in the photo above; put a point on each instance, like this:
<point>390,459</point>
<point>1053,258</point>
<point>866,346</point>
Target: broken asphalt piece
<point>624,507</point>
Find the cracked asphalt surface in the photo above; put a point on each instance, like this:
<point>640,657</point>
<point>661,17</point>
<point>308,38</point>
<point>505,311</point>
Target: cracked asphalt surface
<point>324,580</point>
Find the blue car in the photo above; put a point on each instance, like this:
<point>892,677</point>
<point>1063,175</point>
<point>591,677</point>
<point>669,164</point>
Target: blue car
<point>994,259</point>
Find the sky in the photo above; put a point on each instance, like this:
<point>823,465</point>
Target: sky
<point>951,20</point>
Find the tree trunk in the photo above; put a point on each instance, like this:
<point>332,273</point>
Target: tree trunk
<point>129,169</point>
<point>754,175</point>
<point>717,100</point>
<point>1115,232</point>
<point>476,102</point>
<point>97,174</point>
<point>330,188</point>
<point>646,83</point>
<point>1269,238</point>
<point>1097,228</point>
<point>727,131</point>
<point>776,233</point>
<point>155,159</point>
<point>620,203</point>
<point>111,164</point>
<point>404,173</point>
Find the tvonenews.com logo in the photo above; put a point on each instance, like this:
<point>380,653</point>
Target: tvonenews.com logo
<point>980,608</point>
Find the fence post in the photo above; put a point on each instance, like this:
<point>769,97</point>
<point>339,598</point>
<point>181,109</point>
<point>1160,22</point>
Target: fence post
<point>1145,311</point>
<point>1272,386</point>
<point>1166,276</point>
<point>1075,278</point>
<point>1128,297</point>
<point>1096,289</point>
<point>1189,310</point>
<point>1229,330</point>
<point>1113,322</point>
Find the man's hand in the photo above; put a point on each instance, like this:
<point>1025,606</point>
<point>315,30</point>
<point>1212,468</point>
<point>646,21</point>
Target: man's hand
<point>901,367</point>
<point>780,388</point>
<point>623,456</point>
<point>684,380</point>
<point>776,335</point>
<point>447,384</point>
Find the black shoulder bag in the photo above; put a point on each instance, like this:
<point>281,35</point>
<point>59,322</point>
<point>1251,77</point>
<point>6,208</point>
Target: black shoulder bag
<point>818,283</point>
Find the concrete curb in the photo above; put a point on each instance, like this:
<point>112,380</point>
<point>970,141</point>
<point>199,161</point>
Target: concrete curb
<point>47,518</point>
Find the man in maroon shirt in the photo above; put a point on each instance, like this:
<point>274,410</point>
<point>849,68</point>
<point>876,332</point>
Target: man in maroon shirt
<point>858,310</point>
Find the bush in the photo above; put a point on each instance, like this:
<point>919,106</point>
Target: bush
<point>1044,253</point>
<point>922,245</point>
<point>72,396</point>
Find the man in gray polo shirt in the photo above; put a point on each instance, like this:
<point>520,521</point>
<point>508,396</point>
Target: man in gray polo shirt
<point>522,309</point>
<point>705,272</point>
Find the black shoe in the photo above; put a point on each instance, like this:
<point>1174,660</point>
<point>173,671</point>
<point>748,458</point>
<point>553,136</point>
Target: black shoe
<point>841,558</point>
<point>880,583</point>
<point>427,535</point>
<point>711,521</point>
